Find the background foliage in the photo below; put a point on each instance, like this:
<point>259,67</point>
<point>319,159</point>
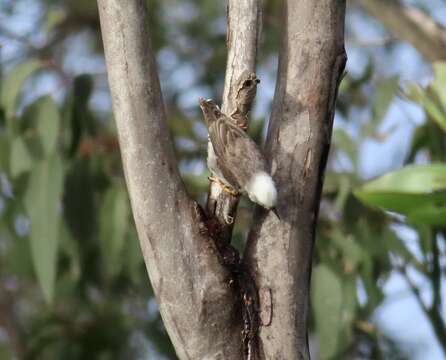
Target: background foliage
<point>72,279</point>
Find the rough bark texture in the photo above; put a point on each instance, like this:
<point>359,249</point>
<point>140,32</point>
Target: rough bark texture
<point>244,26</point>
<point>279,253</point>
<point>410,24</point>
<point>200,311</point>
<point>198,307</point>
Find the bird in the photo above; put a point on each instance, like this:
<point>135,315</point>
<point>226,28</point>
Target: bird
<point>235,160</point>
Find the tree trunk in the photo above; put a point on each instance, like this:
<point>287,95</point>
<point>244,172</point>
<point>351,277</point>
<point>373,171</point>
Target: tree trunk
<point>200,311</point>
<point>191,286</point>
<point>311,65</point>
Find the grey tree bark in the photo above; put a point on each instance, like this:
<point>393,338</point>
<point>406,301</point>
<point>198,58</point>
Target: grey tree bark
<point>243,33</point>
<point>191,286</point>
<point>311,64</point>
<point>200,311</point>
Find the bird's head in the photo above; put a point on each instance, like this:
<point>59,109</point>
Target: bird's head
<point>210,109</point>
<point>246,88</point>
<point>249,80</point>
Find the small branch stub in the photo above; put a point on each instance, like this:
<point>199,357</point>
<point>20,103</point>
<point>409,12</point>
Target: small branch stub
<point>223,204</point>
<point>221,209</point>
<point>244,97</point>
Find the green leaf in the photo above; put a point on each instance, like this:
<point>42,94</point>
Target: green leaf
<point>18,256</point>
<point>114,223</point>
<point>420,140</point>
<point>344,190</point>
<point>13,83</point>
<point>196,184</point>
<point>43,202</point>
<point>20,160</point>
<point>4,152</point>
<point>181,126</point>
<point>46,117</point>
<point>77,118</point>
<point>352,252</point>
<point>68,276</point>
<point>6,351</point>
<point>344,141</point>
<point>433,98</point>
<point>327,305</point>
<point>439,83</point>
<point>80,207</point>
<point>407,190</point>
<point>431,214</point>
<point>429,100</point>
<point>384,94</point>
<point>348,312</point>
<point>54,16</point>
<point>369,280</point>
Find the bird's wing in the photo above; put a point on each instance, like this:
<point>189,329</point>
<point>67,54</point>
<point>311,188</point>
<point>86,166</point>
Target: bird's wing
<point>238,156</point>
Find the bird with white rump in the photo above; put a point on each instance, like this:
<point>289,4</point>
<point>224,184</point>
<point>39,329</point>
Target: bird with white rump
<point>235,160</point>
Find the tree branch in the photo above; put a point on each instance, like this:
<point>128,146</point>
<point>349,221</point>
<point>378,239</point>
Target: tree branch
<point>244,27</point>
<point>412,25</point>
<point>191,286</point>
<point>279,253</point>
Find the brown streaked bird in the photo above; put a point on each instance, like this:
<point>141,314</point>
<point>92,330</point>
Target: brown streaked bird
<point>235,159</point>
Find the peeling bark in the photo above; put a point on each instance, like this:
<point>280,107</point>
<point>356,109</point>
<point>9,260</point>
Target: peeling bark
<point>279,252</point>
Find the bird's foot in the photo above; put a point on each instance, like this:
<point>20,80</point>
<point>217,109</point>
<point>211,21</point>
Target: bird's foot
<point>229,219</point>
<point>225,187</point>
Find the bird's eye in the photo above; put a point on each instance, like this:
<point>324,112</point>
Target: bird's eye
<point>217,113</point>
<point>248,83</point>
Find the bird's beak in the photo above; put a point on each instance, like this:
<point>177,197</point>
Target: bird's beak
<point>274,210</point>
<point>202,102</point>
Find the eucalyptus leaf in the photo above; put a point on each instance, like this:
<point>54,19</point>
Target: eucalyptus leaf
<point>18,257</point>
<point>43,204</point>
<point>384,94</point>
<point>13,83</point>
<point>352,252</point>
<point>348,312</point>
<point>114,222</point>
<point>20,160</point>
<point>47,120</point>
<point>373,291</point>
<point>431,214</point>
<point>344,141</point>
<point>5,144</point>
<point>327,301</point>
<point>431,103</point>
<point>432,98</point>
<point>439,83</point>
<point>407,189</point>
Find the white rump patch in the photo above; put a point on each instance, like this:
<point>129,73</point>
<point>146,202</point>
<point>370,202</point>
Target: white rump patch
<point>262,190</point>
